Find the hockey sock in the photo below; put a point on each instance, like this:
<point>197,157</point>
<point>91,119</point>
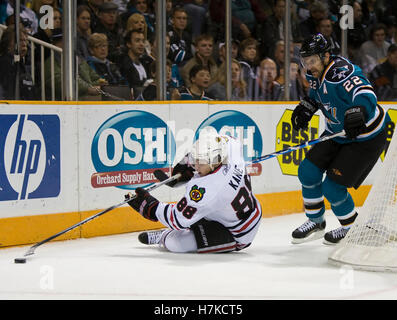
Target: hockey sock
<point>342,203</point>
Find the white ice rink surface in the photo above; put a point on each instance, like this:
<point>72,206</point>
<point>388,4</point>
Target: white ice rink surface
<point>119,267</point>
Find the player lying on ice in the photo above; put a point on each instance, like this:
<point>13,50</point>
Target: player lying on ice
<point>218,212</point>
<point>347,100</point>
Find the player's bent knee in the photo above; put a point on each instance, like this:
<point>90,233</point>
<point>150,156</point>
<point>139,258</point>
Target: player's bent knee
<point>180,241</point>
<point>309,174</point>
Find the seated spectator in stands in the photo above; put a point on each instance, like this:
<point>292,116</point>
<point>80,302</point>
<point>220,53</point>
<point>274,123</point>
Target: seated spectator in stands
<point>356,36</point>
<point>137,22</point>
<point>204,45</point>
<point>325,27</point>
<point>374,51</point>
<point>28,17</point>
<point>222,51</point>
<point>27,89</point>
<point>239,87</point>
<point>197,11</point>
<point>279,57</point>
<point>46,35</point>
<point>249,57</point>
<point>297,88</point>
<point>131,66</point>
<point>391,25</point>
<point>318,11</point>
<point>384,76</point>
<point>108,24</point>
<point>83,31</point>
<point>181,40</point>
<point>88,82</point>
<point>93,5</point>
<point>200,79</point>
<point>107,70</point>
<point>268,88</point>
<point>149,91</point>
<point>274,29</point>
<point>147,59</point>
<point>246,15</point>
<point>141,7</point>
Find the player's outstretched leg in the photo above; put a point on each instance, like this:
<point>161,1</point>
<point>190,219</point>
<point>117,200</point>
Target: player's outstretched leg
<point>308,231</point>
<point>150,237</point>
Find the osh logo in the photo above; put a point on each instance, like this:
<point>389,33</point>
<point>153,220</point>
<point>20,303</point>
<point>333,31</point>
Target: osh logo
<point>30,166</point>
<point>239,125</point>
<point>128,147</point>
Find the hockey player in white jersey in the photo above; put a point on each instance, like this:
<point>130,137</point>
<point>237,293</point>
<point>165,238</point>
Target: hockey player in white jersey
<point>218,212</point>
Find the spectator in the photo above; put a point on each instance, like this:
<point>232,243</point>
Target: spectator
<point>297,87</point>
<point>374,51</point>
<point>28,17</point>
<point>200,78</point>
<point>391,24</point>
<point>239,87</point>
<point>222,51</point>
<point>318,11</point>
<point>46,34</point>
<point>83,31</point>
<point>88,81</point>
<point>141,7</point>
<point>204,45</point>
<point>246,15</point>
<point>131,67</point>
<point>274,29</point>
<point>109,25</point>
<point>181,40</point>
<point>279,58</point>
<point>147,59</point>
<point>268,88</point>
<point>107,70</point>
<point>248,61</point>
<point>325,27</point>
<point>137,22</point>
<point>93,5</point>
<point>384,76</point>
<point>357,35</point>
<point>27,89</point>
<point>197,11</point>
<point>149,92</point>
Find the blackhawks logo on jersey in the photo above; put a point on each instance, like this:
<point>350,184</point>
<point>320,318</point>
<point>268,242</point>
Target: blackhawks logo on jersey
<point>196,193</point>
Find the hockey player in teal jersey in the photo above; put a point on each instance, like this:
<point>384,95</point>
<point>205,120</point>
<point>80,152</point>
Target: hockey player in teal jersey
<point>347,100</point>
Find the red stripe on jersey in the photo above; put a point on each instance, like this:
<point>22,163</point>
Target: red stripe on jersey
<point>229,248</point>
<point>249,222</point>
<point>172,220</point>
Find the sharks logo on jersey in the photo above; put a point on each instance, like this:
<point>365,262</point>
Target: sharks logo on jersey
<point>339,70</point>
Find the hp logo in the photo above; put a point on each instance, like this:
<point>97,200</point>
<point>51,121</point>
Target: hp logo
<point>30,147</point>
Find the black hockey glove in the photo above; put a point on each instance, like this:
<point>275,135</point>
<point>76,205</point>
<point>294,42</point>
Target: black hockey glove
<point>354,123</point>
<point>144,203</point>
<point>185,169</point>
<point>303,112</point>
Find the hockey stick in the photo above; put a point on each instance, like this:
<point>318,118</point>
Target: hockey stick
<point>298,146</point>
<point>162,176</point>
<point>34,247</point>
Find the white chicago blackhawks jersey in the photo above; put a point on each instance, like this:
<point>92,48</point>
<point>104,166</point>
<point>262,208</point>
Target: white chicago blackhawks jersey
<point>224,196</point>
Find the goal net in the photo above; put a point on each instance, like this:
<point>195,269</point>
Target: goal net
<point>371,243</point>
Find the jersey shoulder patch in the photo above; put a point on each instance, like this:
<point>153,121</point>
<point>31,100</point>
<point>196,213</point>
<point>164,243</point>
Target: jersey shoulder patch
<point>340,70</point>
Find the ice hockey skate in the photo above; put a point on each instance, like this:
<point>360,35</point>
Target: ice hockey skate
<point>150,237</point>
<point>308,231</point>
<point>334,236</point>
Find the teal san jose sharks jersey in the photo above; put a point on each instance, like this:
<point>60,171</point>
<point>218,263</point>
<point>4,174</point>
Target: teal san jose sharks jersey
<point>341,87</point>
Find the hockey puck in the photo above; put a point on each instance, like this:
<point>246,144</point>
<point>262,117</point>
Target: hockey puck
<point>20,260</point>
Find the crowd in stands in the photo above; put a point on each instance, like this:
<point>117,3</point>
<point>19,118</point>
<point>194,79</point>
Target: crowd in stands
<point>116,48</point>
